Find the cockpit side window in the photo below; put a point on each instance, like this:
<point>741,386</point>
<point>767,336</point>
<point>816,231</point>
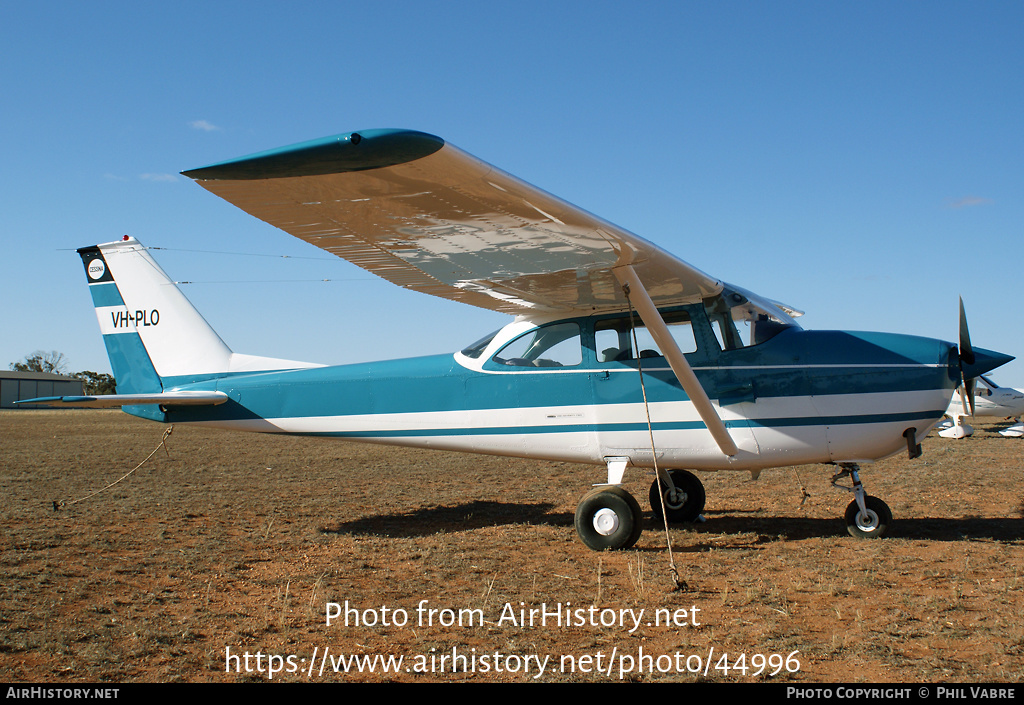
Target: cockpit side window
<point>555,345</point>
<point>613,337</point>
<point>722,323</point>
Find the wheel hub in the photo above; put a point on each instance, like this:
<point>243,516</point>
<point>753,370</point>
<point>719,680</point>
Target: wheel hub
<point>675,498</point>
<point>606,522</point>
<point>867,520</point>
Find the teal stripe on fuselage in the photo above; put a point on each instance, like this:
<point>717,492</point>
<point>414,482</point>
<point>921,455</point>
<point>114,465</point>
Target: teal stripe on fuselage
<point>795,363</point>
<point>788,422</point>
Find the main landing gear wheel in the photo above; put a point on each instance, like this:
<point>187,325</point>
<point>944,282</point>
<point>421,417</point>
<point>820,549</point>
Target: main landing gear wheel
<point>682,504</point>
<point>871,524</point>
<point>608,519</point>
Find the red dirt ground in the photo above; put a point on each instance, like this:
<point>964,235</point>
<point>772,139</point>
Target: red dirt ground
<point>231,544</point>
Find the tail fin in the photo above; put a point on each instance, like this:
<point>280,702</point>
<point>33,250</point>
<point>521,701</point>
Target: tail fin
<point>155,338</point>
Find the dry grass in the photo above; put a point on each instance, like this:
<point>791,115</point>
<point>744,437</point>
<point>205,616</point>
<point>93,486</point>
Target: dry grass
<point>240,541</point>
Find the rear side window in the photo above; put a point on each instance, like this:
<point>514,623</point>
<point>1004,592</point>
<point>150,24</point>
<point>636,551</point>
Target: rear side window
<point>613,337</point>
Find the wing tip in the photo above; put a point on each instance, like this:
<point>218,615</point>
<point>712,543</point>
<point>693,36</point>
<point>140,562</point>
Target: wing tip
<point>350,151</point>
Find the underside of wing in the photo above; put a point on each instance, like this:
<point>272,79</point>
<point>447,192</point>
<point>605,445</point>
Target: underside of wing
<point>427,216</point>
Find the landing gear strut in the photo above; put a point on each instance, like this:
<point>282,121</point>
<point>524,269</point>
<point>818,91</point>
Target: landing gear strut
<point>867,517</point>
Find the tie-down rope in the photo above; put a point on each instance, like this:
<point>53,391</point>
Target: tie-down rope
<point>680,583</point>
<point>59,503</point>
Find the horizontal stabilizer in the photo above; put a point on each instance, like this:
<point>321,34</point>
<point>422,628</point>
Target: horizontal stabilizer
<point>111,401</point>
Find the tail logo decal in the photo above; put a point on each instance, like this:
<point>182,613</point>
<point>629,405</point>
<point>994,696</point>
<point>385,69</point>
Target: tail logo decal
<point>96,269</point>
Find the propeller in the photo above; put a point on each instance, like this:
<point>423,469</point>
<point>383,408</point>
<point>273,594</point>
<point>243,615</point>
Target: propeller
<point>966,356</point>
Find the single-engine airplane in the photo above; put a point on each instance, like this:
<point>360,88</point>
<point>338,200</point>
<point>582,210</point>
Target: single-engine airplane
<point>984,399</point>
<point>619,354</point>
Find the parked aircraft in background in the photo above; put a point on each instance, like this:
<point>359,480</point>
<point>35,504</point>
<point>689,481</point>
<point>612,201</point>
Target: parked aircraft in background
<point>988,399</point>
<point>619,355</point>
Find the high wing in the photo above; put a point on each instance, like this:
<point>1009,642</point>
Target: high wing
<point>427,216</point>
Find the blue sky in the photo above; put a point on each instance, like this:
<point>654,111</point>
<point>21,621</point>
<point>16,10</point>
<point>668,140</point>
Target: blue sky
<point>861,161</point>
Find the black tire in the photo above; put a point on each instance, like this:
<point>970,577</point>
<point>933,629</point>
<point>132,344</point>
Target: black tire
<point>874,524</point>
<point>617,511</point>
<point>689,499</point>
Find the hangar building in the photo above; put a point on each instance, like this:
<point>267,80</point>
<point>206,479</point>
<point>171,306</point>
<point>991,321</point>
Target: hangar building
<point>29,385</point>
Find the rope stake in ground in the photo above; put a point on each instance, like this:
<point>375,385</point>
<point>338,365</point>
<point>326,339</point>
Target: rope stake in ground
<point>59,503</point>
<point>803,490</point>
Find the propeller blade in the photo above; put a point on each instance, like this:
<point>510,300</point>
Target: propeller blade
<point>966,351</point>
<point>967,357</point>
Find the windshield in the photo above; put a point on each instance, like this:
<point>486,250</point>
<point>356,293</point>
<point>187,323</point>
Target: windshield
<point>734,317</point>
<point>476,349</point>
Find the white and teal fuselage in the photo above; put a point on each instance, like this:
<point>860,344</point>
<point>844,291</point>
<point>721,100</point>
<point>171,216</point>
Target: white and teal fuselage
<point>797,404</point>
<point>798,397</point>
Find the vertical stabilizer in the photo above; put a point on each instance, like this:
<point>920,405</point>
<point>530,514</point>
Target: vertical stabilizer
<point>155,338</point>
<point>151,331</point>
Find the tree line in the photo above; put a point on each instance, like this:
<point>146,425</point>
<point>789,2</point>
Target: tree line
<point>55,362</point>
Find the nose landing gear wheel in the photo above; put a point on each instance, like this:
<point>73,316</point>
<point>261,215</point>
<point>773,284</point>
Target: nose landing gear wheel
<point>871,524</point>
<point>608,519</point>
<point>684,503</point>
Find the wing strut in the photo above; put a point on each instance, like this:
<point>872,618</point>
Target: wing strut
<point>676,360</point>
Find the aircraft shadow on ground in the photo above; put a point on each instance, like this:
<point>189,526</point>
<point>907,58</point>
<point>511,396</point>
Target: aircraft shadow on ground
<point>922,528</point>
<point>450,519</point>
<point>481,514</point>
